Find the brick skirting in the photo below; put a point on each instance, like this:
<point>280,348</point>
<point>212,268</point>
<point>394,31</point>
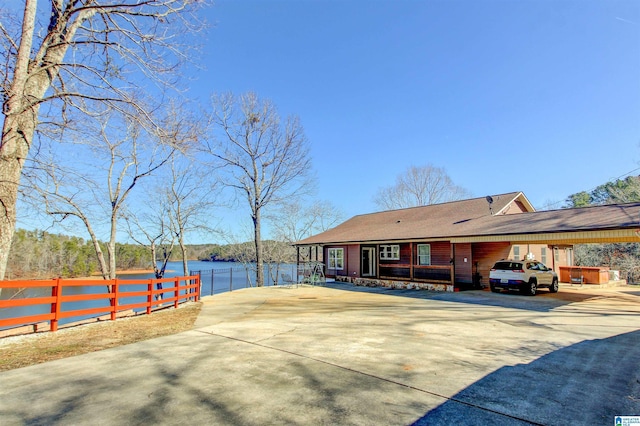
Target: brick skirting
<point>405,285</point>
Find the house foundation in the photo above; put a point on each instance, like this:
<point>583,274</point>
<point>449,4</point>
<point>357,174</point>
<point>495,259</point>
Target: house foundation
<point>393,284</point>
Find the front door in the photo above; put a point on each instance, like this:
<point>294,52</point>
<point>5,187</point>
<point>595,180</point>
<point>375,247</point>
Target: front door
<point>368,262</point>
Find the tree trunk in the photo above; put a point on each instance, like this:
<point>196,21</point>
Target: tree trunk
<point>112,258</point>
<point>100,256</point>
<point>17,133</point>
<point>13,151</point>
<point>31,80</point>
<point>185,261</point>
<point>183,247</point>
<point>258,244</point>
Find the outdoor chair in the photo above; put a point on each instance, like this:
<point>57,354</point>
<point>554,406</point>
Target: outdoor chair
<point>288,281</point>
<point>576,276</point>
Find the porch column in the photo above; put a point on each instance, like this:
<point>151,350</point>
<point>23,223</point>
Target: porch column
<point>452,264</point>
<point>411,260</point>
<point>297,262</point>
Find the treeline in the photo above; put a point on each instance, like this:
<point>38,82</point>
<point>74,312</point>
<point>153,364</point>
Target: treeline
<point>274,252</point>
<point>40,254</point>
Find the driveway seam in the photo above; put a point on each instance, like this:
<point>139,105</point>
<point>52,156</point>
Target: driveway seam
<point>342,367</point>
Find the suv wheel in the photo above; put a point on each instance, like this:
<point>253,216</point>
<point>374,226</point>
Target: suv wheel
<point>554,286</point>
<point>531,288</point>
<point>494,289</point>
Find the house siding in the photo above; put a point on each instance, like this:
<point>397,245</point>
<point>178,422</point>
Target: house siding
<point>352,261</point>
<point>484,255</point>
<point>533,249</point>
<point>560,256</point>
<point>516,207</point>
<point>441,253</point>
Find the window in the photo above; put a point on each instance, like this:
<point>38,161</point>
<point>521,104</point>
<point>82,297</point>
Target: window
<point>424,254</point>
<point>336,258</point>
<point>516,252</point>
<point>543,255</point>
<point>390,252</point>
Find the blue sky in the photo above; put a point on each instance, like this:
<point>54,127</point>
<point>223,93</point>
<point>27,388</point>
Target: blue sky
<point>535,96</point>
<point>506,95</point>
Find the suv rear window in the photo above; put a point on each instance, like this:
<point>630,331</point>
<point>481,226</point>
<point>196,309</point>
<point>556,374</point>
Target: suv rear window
<point>508,266</point>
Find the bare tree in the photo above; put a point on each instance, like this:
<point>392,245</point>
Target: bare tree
<point>152,231</point>
<point>89,50</point>
<point>90,179</point>
<point>419,186</point>
<point>266,160</point>
<point>293,222</point>
<point>190,196</point>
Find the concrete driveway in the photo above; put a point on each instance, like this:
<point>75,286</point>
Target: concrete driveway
<point>361,356</point>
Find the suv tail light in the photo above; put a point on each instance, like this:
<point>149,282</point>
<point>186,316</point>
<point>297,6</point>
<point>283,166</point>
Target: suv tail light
<point>519,270</point>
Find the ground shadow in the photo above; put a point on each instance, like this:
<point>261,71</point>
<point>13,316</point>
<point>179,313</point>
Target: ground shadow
<point>542,302</point>
<point>590,382</point>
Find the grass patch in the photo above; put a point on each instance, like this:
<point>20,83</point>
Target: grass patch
<point>22,351</point>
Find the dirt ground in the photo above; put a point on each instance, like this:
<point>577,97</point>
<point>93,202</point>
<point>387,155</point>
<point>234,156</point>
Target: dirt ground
<point>22,351</point>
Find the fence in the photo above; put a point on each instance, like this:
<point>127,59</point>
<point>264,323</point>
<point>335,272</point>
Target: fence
<point>220,280</point>
<point>117,296</point>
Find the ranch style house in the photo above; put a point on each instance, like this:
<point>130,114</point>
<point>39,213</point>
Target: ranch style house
<point>453,245</point>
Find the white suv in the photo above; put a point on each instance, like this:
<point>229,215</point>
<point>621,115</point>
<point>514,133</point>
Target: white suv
<point>524,275</point>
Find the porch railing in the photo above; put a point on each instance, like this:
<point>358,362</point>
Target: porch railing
<point>439,274</point>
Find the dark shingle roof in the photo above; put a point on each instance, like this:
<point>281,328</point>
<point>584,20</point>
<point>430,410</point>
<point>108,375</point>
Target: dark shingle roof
<point>468,218</point>
<point>436,220</point>
<point>594,218</point>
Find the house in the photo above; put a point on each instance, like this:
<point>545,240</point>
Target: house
<point>453,245</point>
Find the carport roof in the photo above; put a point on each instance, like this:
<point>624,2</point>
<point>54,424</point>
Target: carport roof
<point>471,221</point>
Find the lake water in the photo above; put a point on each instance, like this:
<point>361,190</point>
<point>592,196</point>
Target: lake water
<point>216,277</point>
<point>219,277</point>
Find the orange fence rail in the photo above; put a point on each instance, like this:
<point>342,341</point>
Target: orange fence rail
<point>149,294</point>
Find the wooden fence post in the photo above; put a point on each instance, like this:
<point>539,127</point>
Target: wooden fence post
<point>175,303</point>
<point>114,299</point>
<point>199,287</point>
<point>149,295</point>
<point>56,291</point>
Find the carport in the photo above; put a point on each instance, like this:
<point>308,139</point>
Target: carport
<point>558,229</point>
